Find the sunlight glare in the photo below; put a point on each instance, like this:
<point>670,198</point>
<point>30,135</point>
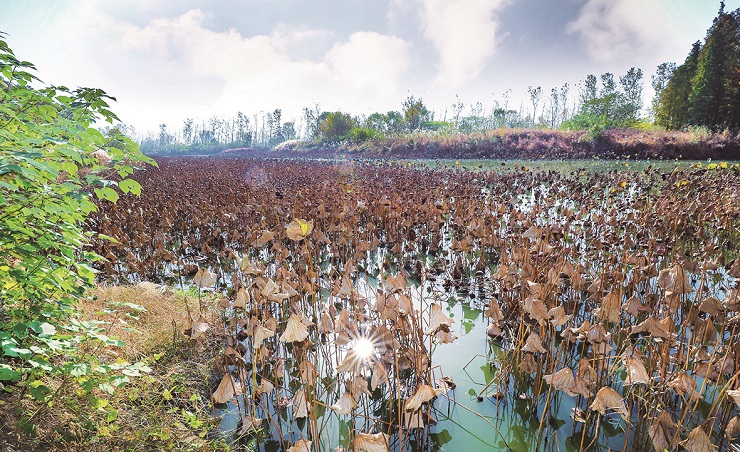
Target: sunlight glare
<point>364,348</point>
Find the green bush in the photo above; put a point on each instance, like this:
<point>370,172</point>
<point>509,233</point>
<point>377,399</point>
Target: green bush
<point>52,164</point>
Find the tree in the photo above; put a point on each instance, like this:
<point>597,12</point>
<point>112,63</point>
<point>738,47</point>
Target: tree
<point>535,94</point>
<point>52,164</point>
<point>414,113</point>
<point>673,103</point>
<point>336,126</point>
<point>659,82</point>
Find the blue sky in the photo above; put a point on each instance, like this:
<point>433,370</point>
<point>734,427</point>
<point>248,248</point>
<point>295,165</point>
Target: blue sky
<point>168,60</point>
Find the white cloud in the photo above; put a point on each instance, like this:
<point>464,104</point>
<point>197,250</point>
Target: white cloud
<point>176,63</point>
<point>464,33</point>
<point>617,30</point>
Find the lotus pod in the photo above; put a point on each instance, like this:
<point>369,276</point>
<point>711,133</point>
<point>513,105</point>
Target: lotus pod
<point>609,399</point>
<point>663,431</point>
<point>366,442</point>
<point>424,393</point>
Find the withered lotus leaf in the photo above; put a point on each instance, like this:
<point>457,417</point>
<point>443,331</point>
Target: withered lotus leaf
<point>711,306</point>
<point>534,344</point>
<point>733,428</point>
<point>607,399</point>
<point>271,292</point>
<point>735,395</point>
<point>634,307</point>
<point>227,389</point>
<point>437,318</point>
<point>651,327</point>
<point>397,283</point>
<point>528,364</point>
<point>301,407</point>
<point>204,278</point>
<point>242,298</point>
<point>345,404</point>
<point>376,442</point>
<point>298,229</point>
<point>636,372</point>
<point>662,432</point>
<point>198,327</point>
<point>302,445</point>
<point>698,441</point>
<point>417,419</point>
<point>558,317</point>
<point>494,311</point>
<point>358,387</point>
<point>424,393</point>
<point>379,377</point>
<point>260,334</point>
<point>266,386</point>
<point>684,385</point>
<point>610,307</point>
<point>562,380</point>
<point>250,424</point>
<point>295,331</point>
<point>308,372</point>
<point>674,280</point>
<point>536,309</point>
<point>352,362</point>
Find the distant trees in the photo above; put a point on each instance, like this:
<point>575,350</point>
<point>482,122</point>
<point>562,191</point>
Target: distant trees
<point>415,113</point>
<point>705,89</point>
<point>608,105</point>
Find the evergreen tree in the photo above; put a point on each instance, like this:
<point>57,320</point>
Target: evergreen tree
<point>673,104</point>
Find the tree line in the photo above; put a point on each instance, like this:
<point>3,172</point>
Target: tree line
<point>705,89</point>
<point>703,92</point>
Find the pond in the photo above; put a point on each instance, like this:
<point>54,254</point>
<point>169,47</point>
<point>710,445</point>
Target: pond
<point>507,309</point>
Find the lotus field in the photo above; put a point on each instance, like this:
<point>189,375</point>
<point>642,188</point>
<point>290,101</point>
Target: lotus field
<point>377,306</point>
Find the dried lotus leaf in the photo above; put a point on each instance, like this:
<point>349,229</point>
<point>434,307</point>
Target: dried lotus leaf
<point>674,280</point>
<point>711,306</point>
<point>424,393</point>
<point>651,327</point>
<point>198,327</point>
<point>380,375</point>
<point>698,441</point>
<point>636,372</point>
<point>242,298</point>
<point>298,229</point>
<point>295,331</point>
<point>302,445</point>
<point>437,318</point>
<point>610,307</point>
<point>663,432</point>
<point>204,278</point>
<point>684,385</point>
<point>366,442</point>
<point>345,405</point>
<point>301,408</point>
<point>609,399</point>
<point>733,428</point>
<point>533,344</point>
<point>558,317</point>
<point>226,390</point>
<point>561,380</point>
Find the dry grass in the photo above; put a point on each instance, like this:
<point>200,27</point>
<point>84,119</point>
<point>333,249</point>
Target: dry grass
<point>169,409</point>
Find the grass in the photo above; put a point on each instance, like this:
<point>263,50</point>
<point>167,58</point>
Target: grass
<point>167,409</point>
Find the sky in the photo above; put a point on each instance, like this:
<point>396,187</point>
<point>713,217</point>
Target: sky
<point>168,60</point>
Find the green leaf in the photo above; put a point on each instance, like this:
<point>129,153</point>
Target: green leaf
<point>130,186</point>
<point>7,373</point>
<point>42,328</point>
<point>106,193</point>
